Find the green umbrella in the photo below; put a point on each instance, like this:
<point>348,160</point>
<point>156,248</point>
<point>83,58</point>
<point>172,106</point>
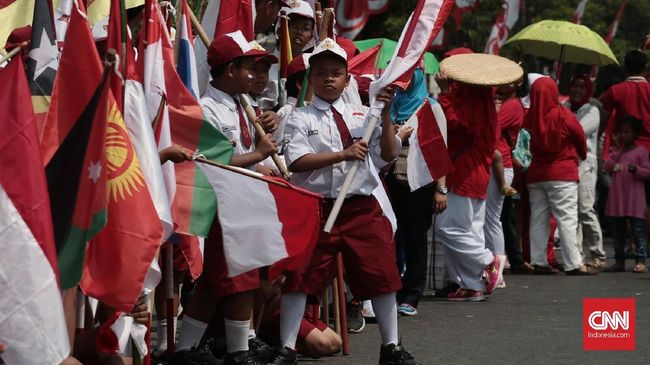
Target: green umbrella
<point>563,41</point>
<point>387,51</point>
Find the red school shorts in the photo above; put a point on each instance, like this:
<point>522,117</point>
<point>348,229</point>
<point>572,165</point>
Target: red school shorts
<point>215,270</point>
<point>364,237</point>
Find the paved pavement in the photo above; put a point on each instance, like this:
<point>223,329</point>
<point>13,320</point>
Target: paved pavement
<point>535,320</point>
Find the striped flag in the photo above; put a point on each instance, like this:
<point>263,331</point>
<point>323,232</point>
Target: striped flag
<point>32,323</point>
<point>285,216</point>
<point>506,19</point>
<point>351,17</point>
<point>614,27</point>
<point>221,17</point>
<point>186,64</point>
<point>423,26</point>
<point>428,158</point>
<point>580,11</point>
<point>193,202</point>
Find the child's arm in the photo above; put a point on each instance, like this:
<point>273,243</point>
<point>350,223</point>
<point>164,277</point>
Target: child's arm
<point>609,164</point>
<point>264,148</point>
<point>315,161</point>
<point>642,168</point>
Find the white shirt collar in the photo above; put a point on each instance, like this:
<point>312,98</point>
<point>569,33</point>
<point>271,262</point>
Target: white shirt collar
<point>221,97</point>
<point>322,105</point>
<point>636,79</point>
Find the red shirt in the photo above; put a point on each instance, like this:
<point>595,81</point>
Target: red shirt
<point>471,136</point>
<point>510,118</point>
<point>562,164</point>
<point>631,97</point>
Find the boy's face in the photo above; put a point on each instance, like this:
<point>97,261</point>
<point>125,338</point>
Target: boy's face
<point>242,75</point>
<point>260,77</point>
<point>301,30</point>
<point>329,76</point>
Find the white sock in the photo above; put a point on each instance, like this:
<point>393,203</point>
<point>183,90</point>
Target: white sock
<point>385,307</point>
<point>236,335</point>
<point>191,333</point>
<point>292,310</point>
<point>251,333</point>
<point>161,329</point>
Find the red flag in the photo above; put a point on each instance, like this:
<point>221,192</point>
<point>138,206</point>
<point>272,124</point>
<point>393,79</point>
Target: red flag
<point>506,20</point>
<point>462,7</point>
<point>74,151</point>
<point>76,81</point>
<point>286,54</point>
<point>33,324</point>
<point>614,27</point>
<point>365,63</point>
<point>118,258</point>
<point>351,17</point>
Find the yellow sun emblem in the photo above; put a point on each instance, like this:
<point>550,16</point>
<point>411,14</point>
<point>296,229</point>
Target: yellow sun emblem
<point>124,173</point>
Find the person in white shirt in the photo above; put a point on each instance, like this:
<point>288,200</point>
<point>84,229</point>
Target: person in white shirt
<point>325,140</point>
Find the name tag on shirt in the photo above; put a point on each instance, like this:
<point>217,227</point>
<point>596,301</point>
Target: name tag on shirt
<point>312,132</point>
<point>229,128</point>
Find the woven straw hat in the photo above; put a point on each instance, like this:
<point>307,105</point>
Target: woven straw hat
<point>481,69</point>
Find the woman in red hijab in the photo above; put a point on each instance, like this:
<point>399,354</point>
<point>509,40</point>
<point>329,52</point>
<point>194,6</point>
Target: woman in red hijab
<point>557,143</point>
<point>581,90</point>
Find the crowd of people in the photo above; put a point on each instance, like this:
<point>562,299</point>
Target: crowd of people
<point>522,197</point>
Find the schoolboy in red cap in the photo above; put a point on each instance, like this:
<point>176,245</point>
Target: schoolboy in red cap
<point>231,59</point>
<point>325,141</point>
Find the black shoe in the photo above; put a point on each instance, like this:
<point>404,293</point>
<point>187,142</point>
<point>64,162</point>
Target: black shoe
<point>450,288</point>
<point>214,346</point>
<point>192,357</point>
<point>356,322</point>
<point>260,350</point>
<point>241,358</point>
<point>285,356</point>
<point>395,355</point>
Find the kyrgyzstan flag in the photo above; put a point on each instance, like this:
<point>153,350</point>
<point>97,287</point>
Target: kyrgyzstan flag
<point>262,220</point>
<point>119,257</point>
<point>74,153</point>
<point>221,17</point>
<point>32,324</point>
<point>193,202</point>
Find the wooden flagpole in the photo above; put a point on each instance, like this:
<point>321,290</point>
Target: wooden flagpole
<point>250,113</point>
<point>13,52</point>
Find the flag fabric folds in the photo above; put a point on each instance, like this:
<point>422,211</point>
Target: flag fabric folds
<point>31,311</point>
<point>506,20</point>
<point>73,151</point>
<point>262,222</point>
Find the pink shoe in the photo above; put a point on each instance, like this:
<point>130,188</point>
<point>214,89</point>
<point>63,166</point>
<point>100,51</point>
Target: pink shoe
<point>466,295</point>
<point>492,275</point>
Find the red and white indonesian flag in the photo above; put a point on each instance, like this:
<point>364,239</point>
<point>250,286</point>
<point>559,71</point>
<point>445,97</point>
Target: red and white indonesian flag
<point>222,17</point>
<point>32,324</point>
<point>502,27</point>
<point>580,11</point>
<point>614,27</point>
<point>428,158</point>
<point>262,222</point>
<point>423,26</point>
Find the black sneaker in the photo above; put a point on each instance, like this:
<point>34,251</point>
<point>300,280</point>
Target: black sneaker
<point>260,350</point>
<point>214,346</point>
<point>356,322</point>
<point>241,358</point>
<point>192,357</point>
<point>285,356</point>
<point>395,355</point>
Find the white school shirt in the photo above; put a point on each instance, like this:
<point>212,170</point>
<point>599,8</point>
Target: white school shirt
<point>220,110</point>
<point>313,130</point>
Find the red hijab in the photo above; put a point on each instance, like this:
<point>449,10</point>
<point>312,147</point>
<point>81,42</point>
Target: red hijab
<point>546,117</point>
<point>589,91</point>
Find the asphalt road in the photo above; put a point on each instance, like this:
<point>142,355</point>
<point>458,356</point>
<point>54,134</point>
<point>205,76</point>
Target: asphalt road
<point>535,320</point>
